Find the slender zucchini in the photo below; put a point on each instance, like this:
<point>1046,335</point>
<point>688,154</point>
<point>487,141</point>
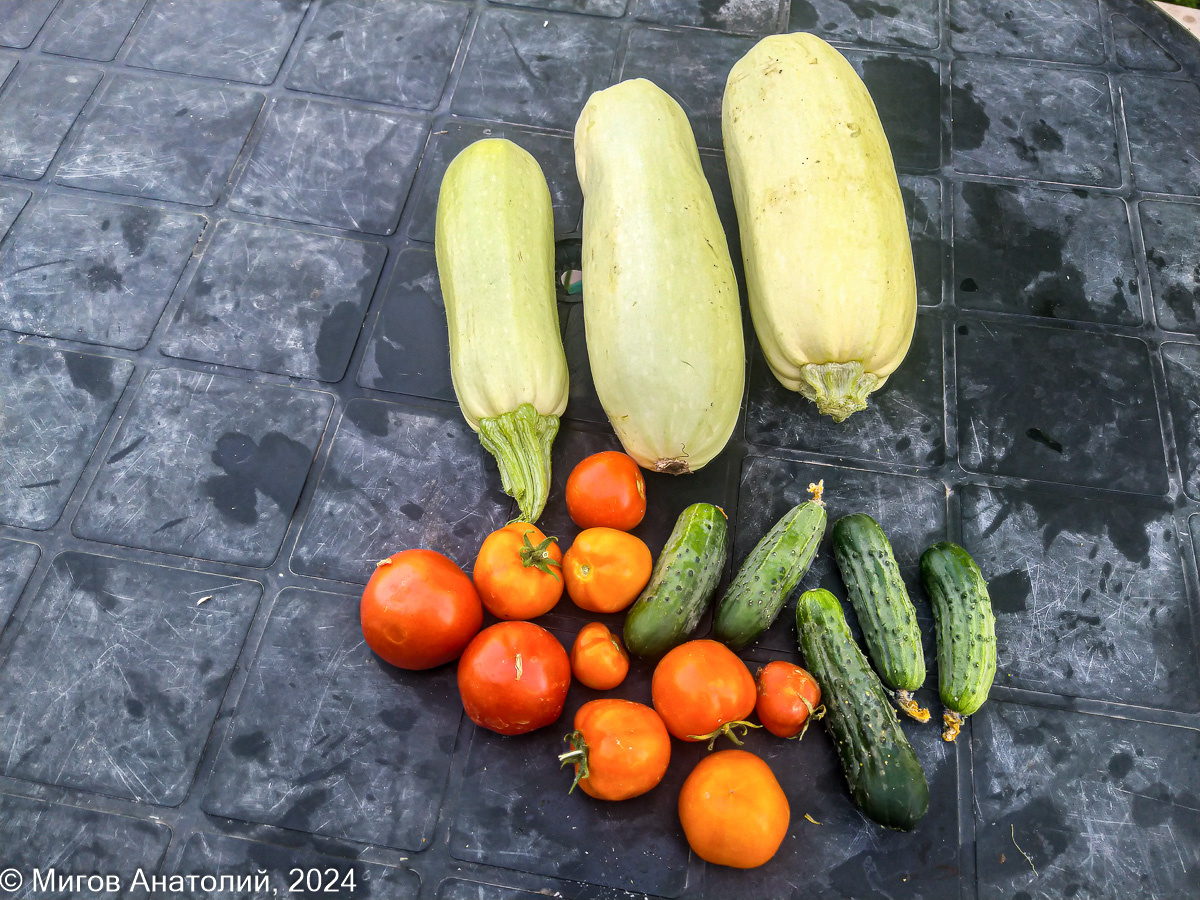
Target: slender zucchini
<point>966,631</point>
<point>770,573</point>
<point>885,612</point>
<point>885,777</point>
<point>681,584</point>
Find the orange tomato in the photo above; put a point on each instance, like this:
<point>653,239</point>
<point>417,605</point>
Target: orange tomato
<point>787,696</point>
<point>518,572</point>
<point>598,659</point>
<point>702,690</point>
<point>606,569</point>
<point>606,489</point>
<point>620,749</point>
<point>734,812</point>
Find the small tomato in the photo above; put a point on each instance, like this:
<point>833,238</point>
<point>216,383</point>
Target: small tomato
<point>518,572</point>
<point>620,749</point>
<point>787,696</point>
<point>606,489</point>
<point>702,690</point>
<point>513,678</point>
<point>606,569</point>
<point>419,610</point>
<point>598,660</point>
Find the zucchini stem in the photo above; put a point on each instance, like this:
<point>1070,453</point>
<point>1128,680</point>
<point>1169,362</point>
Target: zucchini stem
<point>906,702</point>
<point>520,441</point>
<point>838,389</point>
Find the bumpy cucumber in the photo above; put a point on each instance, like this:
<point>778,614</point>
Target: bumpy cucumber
<point>886,614</point>
<point>885,777</point>
<point>966,631</point>
<point>770,573</point>
<point>681,584</point>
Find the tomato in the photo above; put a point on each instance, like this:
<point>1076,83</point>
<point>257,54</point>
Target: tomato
<point>606,569</point>
<point>606,489</point>
<point>620,749</point>
<point>518,572</point>
<point>702,690</point>
<point>419,610</point>
<point>734,812</point>
<point>787,696</point>
<point>513,678</point>
<point>598,660</point>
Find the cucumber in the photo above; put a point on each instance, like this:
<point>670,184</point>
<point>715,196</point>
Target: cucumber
<point>885,612</point>
<point>885,777</point>
<point>682,583</point>
<point>770,573</point>
<point>966,631</point>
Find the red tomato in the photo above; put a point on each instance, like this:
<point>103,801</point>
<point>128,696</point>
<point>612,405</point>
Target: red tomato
<point>733,811</point>
<point>518,572</point>
<point>513,678</point>
<point>606,489</point>
<point>597,658</point>
<point>787,696</point>
<point>702,690</point>
<point>605,569</point>
<point>419,610</point>
<point>620,749</point>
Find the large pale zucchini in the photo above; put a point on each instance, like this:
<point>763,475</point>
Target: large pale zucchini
<point>825,242</point>
<point>661,307</point>
<point>495,258</point>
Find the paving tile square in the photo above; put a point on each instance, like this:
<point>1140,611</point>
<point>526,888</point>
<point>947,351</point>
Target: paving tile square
<point>923,207</point>
<point>398,53</point>
<point>1034,122</point>
<point>1019,415</point>
<point>904,422</point>
<point>276,300</point>
<point>535,68</point>
<point>1182,363</point>
<point>22,21</point>
<point>12,201</point>
<point>910,24</point>
<point>907,95</point>
<point>88,270</point>
<point>1054,254</point>
<point>17,560</point>
<point>1092,805</point>
<point>332,165</point>
<point>1090,597</point>
<point>164,140</point>
<point>119,697</point>
<point>36,112</point>
<point>238,40</point>
<point>331,740</point>
<point>1139,51</point>
<point>1065,31</point>
<point>1171,233</point>
<point>1163,121</point>
<point>206,466</point>
<point>553,152</point>
<point>91,29</point>
<point>56,405</point>
<point>743,16</point>
<point>399,477</point>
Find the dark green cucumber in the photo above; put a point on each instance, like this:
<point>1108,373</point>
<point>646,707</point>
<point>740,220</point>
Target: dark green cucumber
<point>770,573</point>
<point>885,612</point>
<point>966,631</point>
<point>885,777</point>
<point>682,584</point>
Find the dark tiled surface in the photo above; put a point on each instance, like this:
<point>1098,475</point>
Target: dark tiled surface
<point>226,396</point>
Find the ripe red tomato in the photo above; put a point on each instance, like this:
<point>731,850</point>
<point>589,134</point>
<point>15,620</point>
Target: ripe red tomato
<point>605,569</point>
<point>620,749</point>
<point>419,610</point>
<point>787,696</point>
<point>518,572</point>
<point>733,811</point>
<point>606,489</point>
<point>598,659</point>
<point>702,690</point>
<point>513,678</point>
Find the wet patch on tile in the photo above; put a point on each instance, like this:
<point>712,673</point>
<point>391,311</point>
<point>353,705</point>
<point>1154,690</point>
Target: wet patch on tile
<point>908,97</point>
<point>923,207</point>
<point>1182,363</point>
<point>1064,31</point>
<point>1171,234</point>
<point>35,114</point>
<point>741,16</point>
<point>1163,121</point>
<point>91,29</point>
<point>17,560</point>
<point>913,23</point>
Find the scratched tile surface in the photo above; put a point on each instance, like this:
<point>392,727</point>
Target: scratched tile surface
<point>225,395</point>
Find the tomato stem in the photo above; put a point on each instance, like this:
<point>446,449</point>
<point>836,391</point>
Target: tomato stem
<point>576,756</point>
<point>728,730</point>
<point>539,557</point>
<point>818,713</point>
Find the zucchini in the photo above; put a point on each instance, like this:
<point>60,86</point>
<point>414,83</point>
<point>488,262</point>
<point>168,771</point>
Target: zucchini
<point>770,573</point>
<point>682,583</point>
<point>885,777</point>
<point>660,299</point>
<point>494,242</point>
<point>829,265</point>
<point>885,612</point>
<point>966,631</point>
